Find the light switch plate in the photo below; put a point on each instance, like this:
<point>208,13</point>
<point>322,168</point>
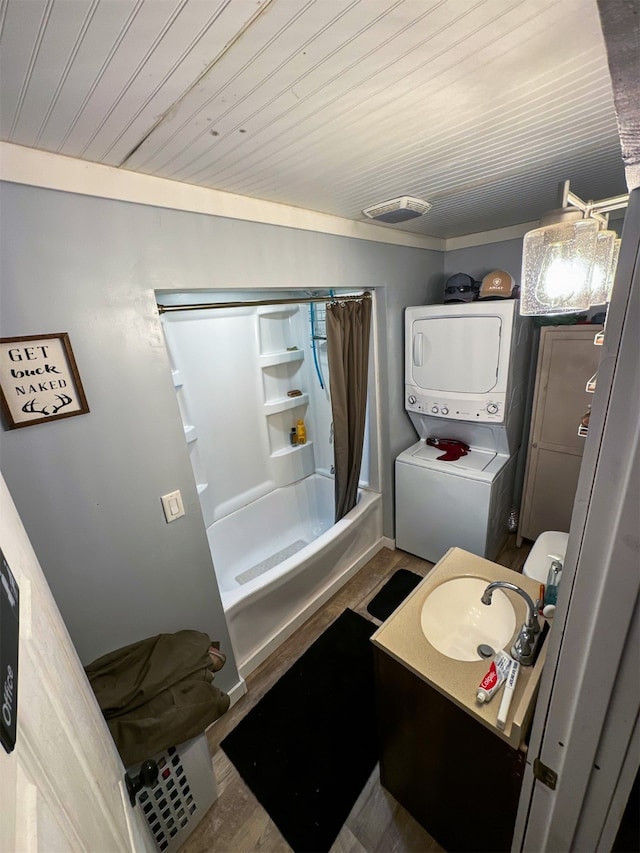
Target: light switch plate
<point>172,505</point>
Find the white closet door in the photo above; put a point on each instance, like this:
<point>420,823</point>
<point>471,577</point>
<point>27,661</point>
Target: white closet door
<point>62,786</point>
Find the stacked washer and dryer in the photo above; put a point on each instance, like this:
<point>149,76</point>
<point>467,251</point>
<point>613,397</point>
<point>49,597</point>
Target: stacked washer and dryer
<point>466,379</point>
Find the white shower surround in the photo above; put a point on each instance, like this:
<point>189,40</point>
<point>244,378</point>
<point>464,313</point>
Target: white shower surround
<point>262,499</point>
<point>262,612</point>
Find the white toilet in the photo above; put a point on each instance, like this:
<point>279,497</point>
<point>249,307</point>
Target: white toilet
<point>548,545</point>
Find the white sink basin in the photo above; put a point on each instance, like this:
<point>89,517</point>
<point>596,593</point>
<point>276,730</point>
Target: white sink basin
<point>456,622</point>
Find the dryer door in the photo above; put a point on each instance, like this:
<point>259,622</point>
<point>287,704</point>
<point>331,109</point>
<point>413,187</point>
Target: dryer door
<point>458,355</point>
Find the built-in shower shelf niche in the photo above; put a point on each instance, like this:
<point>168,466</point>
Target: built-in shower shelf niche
<point>292,464</point>
<point>281,374</point>
<point>202,488</point>
<point>283,404</point>
<point>281,357</point>
<point>280,422</point>
<point>190,433</point>
<point>277,311</point>
<point>277,329</point>
<point>293,449</point>
<point>270,359</point>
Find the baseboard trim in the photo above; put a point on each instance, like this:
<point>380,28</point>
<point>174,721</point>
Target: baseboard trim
<point>237,691</point>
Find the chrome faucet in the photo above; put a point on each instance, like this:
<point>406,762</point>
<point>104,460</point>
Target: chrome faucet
<point>525,643</point>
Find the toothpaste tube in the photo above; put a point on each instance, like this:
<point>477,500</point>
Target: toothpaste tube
<point>495,677</point>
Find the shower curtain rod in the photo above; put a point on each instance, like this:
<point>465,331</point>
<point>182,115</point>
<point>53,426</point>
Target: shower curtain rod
<point>166,309</point>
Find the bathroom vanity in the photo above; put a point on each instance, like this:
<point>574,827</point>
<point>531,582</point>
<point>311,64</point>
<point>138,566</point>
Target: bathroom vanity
<point>442,755</point>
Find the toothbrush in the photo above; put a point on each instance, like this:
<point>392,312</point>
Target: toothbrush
<point>509,687</point>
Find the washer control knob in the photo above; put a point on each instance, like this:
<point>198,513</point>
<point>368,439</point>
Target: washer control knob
<point>435,410</point>
<point>445,411</point>
<point>492,408</point>
<point>411,399</point>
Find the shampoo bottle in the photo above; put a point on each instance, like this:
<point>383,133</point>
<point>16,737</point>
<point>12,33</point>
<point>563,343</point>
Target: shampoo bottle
<point>301,432</point>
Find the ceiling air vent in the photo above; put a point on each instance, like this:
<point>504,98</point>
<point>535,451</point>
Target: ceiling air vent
<point>398,209</point>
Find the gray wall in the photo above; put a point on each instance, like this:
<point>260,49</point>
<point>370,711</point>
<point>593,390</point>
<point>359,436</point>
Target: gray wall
<point>477,261</point>
<point>401,433</point>
<point>88,487</point>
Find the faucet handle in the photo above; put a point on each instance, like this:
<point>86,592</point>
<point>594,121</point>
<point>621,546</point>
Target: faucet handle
<point>523,646</point>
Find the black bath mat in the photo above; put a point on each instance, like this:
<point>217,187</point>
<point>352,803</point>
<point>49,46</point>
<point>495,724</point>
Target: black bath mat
<point>393,593</point>
<point>308,747</point>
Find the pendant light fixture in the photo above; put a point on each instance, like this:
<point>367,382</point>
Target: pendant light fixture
<point>612,268</point>
<point>601,270</point>
<point>567,262</point>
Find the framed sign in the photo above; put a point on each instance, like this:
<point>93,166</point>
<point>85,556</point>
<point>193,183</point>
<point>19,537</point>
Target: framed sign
<point>39,380</point>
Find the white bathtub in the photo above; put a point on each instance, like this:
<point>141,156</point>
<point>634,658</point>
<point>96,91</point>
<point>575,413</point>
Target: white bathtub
<point>293,528</point>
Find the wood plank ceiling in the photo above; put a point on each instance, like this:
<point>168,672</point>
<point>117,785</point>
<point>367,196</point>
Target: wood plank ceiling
<point>479,106</point>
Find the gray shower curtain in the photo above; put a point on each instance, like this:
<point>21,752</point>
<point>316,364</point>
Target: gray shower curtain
<point>348,333</point>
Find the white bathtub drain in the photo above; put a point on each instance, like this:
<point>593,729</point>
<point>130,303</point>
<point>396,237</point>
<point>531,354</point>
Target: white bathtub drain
<point>270,562</point>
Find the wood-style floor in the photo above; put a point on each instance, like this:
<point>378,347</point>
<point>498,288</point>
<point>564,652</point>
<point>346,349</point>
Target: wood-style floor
<point>237,823</point>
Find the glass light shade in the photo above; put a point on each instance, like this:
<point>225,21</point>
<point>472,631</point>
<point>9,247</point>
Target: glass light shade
<point>602,267</point>
<point>556,268</point>
<point>612,269</point>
